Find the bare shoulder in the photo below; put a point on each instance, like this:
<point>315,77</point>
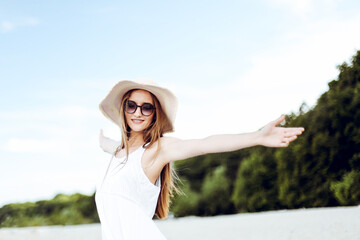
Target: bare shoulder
<point>157,149</point>
<point>155,156</point>
<point>165,145</point>
<point>169,149</point>
<point>164,141</point>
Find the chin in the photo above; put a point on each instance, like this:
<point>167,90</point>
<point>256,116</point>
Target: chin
<point>138,128</point>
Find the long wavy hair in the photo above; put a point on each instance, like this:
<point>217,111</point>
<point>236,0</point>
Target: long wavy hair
<point>152,134</point>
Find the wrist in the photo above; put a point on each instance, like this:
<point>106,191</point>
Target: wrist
<point>257,138</point>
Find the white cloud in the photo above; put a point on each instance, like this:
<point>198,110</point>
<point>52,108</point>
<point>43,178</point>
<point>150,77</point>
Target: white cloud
<point>304,8</point>
<point>54,113</point>
<point>280,79</point>
<point>63,130</point>
<point>37,146</point>
<point>7,26</point>
<point>75,112</point>
<point>48,183</point>
<point>29,22</point>
<point>297,6</point>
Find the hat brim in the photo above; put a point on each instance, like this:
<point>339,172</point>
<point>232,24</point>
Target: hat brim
<point>110,106</point>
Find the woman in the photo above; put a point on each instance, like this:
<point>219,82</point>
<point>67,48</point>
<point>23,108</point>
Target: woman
<point>138,181</point>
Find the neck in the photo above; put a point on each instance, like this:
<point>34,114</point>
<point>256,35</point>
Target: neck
<point>136,139</point>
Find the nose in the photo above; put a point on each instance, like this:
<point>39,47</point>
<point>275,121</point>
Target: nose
<point>137,113</point>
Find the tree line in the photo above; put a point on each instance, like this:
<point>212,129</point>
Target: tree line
<point>61,210</point>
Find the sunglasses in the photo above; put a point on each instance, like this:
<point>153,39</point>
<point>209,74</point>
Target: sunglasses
<point>146,109</point>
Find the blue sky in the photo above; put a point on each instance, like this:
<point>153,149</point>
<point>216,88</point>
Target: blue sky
<point>234,66</point>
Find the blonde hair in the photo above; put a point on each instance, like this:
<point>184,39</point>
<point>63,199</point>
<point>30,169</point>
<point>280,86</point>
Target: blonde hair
<point>151,135</point>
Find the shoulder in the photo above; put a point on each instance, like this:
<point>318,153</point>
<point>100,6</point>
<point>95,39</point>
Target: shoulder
<point>167,143</point>
<point>171,149</point>
<point>168,140</point>
<point>162,144</point>
<point>159,149</point>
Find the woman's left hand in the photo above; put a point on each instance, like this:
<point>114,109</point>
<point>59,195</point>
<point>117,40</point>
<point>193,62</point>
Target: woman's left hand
<point>273,136</point>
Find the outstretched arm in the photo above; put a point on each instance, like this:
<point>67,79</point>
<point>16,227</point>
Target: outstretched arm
<point>270,136</point>
<point>107,144</point>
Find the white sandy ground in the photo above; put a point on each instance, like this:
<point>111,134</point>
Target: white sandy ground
<point>342,223</point>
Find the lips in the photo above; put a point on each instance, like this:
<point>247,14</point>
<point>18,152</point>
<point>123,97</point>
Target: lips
<point>137,121</point>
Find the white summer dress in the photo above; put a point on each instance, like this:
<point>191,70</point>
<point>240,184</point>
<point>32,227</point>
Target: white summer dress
<point>126,201</point>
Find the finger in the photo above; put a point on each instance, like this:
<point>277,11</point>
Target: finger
<point>296,129</point>
<point>284,144</point>
<point>279,120</point>
<point>290,139</point>
<point>286,141</point>
<point>289,132</point>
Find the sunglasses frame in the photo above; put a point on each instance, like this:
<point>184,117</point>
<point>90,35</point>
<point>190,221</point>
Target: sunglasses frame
<point>138,106</point>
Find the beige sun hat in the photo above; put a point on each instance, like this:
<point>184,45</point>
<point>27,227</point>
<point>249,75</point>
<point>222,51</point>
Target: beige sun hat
<point>110,106</point>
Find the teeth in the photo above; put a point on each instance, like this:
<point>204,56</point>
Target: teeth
<point>137,121</point>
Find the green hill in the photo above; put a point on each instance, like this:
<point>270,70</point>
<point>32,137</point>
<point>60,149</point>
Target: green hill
<point>61,210</point>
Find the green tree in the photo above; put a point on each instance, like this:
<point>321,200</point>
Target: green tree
<point>185,203</point>
<point>61,210</point>
<point>215,193</point>
<point>347,191</point>
<point>255,186</point>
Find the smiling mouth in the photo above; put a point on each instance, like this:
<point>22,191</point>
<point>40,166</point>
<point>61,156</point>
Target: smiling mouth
<point>137,121</point>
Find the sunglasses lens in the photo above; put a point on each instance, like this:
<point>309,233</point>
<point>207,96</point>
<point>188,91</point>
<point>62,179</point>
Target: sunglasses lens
<point>130,106</point>
<point>147,109</point>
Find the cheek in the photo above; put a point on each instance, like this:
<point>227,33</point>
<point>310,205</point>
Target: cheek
<point>127,118</point>
<point>150,119</point>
